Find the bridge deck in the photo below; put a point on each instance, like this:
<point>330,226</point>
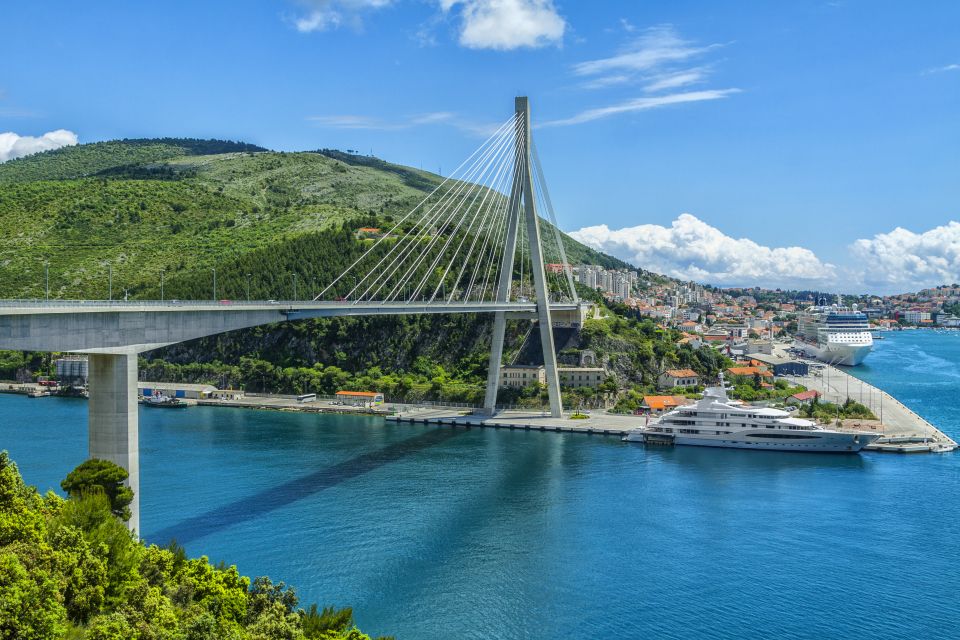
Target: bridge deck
<point>97,326</point>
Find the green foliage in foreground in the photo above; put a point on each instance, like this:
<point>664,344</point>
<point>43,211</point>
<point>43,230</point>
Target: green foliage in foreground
<point>97,475</point>
<point>70,569</point>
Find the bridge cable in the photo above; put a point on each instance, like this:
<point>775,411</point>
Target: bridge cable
<point>567,267</point>
<point>408,243</point>
<point>500,245</point>
<point>467,188</point>
<point>482,208</point>
<point>496,229</point>
<point>452,235</point>
<point>496,133</point>
<point>414,237</point>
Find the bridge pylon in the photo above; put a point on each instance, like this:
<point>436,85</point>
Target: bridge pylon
<point>522,203</point>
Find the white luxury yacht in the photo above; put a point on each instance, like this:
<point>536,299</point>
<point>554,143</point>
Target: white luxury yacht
<point>716,422</point>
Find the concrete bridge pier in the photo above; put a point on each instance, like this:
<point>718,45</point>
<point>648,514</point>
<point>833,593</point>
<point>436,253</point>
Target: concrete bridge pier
<point>113,425</point>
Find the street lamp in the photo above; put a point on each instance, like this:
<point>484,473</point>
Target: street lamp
<point>214,284</point>
<point>294,285</point>
<point>161,286</point>
<point>110,267</point>
<point>46,278</point>
<point>248,287</point>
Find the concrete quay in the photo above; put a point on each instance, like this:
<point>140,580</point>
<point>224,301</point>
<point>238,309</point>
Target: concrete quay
<point>288,403</point>
<point>903,430</point>
<point>22,388</point>
<point>531,420</point>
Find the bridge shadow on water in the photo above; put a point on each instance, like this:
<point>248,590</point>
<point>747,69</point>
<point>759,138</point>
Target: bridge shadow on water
<point>258,504</point>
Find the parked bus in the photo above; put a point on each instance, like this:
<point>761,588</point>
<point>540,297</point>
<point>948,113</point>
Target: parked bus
<point>307,397</point>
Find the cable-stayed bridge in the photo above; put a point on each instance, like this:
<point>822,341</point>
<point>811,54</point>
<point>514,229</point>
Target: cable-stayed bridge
<point>485,240</point>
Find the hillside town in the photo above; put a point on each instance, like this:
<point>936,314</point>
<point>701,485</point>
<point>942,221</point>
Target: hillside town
<point>722,315</point>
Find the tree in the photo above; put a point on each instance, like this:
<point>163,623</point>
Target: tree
<point>101,475</point>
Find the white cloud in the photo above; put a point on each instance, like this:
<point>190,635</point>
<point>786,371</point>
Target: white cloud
<point>330,14</point>
<point>507,24</point>
<point>657,47</point>
<point>691,249</point>
<point>949,67</point>
<point>902,260</point>
<point>676,79</point>
<point>658,62</point>
<point>15,146</point>
<point>641,104</point>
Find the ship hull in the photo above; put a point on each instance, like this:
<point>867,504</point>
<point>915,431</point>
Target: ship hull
<point>806,442</point>
<point>818,443</point>
<point>847,355</point>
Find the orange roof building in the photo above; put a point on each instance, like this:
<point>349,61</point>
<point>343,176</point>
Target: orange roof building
<point>806,396</point>
<point>748,371</point>
<point>360,398</point>
<point>681,373</point>
<point>658,404</point>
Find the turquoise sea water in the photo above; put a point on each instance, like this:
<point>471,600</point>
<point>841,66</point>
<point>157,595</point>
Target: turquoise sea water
<point>440,533</point>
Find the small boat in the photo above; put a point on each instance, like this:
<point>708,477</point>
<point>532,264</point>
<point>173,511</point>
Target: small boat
<point>163,401</point>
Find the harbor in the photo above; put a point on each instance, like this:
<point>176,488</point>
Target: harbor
<point>904,430</point>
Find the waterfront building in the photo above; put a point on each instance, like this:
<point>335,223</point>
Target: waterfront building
<point>176,390</point>
<point>806,397</point>
<point>359,398</point>
<point>659,404</point>
<point>781,366</point>
<point>574,377</point>
<point>228,394</point>
<point>915,317</point>
<point>741,373</point>
<point>522,376</point>
<point>519,376</point>
<point>678,378</point>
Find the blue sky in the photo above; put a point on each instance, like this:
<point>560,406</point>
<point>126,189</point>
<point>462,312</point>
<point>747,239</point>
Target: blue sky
<point>786,144</point>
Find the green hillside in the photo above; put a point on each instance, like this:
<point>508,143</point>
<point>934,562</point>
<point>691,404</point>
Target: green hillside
<point>103,157</point>
<point>184,207</point>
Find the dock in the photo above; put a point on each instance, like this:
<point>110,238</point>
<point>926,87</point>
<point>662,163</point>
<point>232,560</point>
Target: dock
<point>903,430</point>
<point>595,424</point>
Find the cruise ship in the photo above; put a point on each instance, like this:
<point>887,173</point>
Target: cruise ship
<point>834,334</point>
<point>715,421</point>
